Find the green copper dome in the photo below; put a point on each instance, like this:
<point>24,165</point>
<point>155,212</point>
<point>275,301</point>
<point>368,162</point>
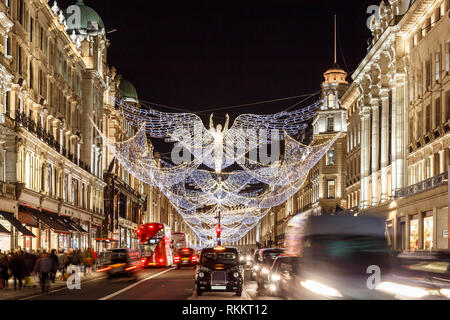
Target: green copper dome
<point>87,17</point>
<point>128,91</point>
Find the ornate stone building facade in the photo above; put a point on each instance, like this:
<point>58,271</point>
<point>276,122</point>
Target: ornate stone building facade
<point>403,99</point>
<point>395,157</point>
<point>54,168</point>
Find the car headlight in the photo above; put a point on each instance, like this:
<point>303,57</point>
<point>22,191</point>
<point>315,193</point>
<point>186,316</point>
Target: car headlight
<point>248,258</point>
<point>201,274</point>
<point>401,290</point>
<point>321,289</point>
<point>256,267</point>
<point>275,277</point>
<point>236,274</point>
<point>241,258</point>
<point>445,292</point>
<point>265,270</point>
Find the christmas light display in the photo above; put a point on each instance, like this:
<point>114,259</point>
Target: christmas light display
<point>241,197</point>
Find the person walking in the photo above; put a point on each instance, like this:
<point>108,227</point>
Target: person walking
<point>88,261</point>
<point>29,261</point>
<point>18,269</point>
<point>3,270</point>
<point>55,264</point>
<point>44,265</point>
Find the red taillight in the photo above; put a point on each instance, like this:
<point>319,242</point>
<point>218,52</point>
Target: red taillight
<point>104,269</point>
<point>142,260</point>
<point>176,258</point>
<point>185,250</point>
<point>193,258</point>
<point>130,268</point>
<point>161,260</point>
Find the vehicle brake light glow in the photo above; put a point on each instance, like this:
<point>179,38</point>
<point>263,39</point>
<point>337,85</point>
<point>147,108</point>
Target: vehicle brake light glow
<point>219,248</point>
<point>185,250</point>
<point>130,268</point>
<point>104,269</point>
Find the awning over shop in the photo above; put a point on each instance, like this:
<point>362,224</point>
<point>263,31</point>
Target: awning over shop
<point>73,224</point>
<point>60,219</point>
<point>17,224</point>
<point>50,222</point>
<point>4,230</point>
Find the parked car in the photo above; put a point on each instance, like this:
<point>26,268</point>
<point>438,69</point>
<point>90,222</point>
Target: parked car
<point>219,270</point>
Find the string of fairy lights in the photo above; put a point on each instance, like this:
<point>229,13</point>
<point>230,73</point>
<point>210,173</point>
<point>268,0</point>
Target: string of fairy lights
<point>202,181</point>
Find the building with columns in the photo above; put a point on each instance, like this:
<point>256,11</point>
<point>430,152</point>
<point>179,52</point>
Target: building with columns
<point>52,81</point>
<point>401,95</point>
<point>394,159</point>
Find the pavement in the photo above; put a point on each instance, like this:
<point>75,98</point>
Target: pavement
<point>152,284</point>
<point>10,294</point>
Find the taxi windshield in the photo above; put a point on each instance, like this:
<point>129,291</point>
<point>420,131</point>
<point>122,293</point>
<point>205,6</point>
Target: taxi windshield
<point>226,257</point>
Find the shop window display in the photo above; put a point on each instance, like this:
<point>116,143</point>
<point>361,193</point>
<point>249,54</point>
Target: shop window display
<point>414,235</point>
<point>428,233</point>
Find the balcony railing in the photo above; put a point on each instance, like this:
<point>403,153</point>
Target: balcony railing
<point>433,182</point>
<point>22,120</point>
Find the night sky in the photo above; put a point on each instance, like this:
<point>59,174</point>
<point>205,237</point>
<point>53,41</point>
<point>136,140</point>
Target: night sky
<point>198,55</point>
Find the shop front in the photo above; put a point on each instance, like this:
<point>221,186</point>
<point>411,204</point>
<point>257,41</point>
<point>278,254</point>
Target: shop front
<point>24,235</point>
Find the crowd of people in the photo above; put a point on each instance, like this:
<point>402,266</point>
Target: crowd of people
<point>24,267</point>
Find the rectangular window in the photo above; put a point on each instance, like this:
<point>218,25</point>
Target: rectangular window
<point>7,102</point>
<point>427,74</point>
<point>66,187</point>
<point>419,91</point>
<point>41,38</point>
<point>427,119</point>
<point>437,112</point>
<point>20,11</point>
<point>330,124</point>
<point>19,60</point>
<point>31,28</point>
<point>437,65</point>
<point>447,107</point>
<point>447,56</point>
<point>390,129</point>
<point>411,130</point>
<point>419,124</point>
<point>330,158</point>
<point>331,189</point>
<point>75,192</point>
<point>414,234</point>
<point>31,75</point>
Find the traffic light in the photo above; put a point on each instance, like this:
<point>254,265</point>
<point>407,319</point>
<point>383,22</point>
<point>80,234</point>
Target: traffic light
<point>218,231</point>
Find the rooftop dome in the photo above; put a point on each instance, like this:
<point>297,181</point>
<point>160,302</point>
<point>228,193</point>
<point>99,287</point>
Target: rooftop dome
<point>128,92</point>
<point>89,19</point>
<point>335,75</point>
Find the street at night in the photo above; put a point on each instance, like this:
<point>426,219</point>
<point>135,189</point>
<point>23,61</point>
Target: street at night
<point>259,155</point>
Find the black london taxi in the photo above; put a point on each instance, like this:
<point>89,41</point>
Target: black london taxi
<point>219,270</point>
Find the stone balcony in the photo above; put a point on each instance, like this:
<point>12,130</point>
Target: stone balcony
<point>422,186</point>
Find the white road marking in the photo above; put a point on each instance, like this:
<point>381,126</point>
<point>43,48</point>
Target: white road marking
<point>134,285</point>
<point>56,290</point>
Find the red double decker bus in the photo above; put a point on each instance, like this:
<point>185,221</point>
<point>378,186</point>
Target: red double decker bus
<point>155,244</point>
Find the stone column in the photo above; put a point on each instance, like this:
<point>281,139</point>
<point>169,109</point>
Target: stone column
<point>442,162</point>
<point>384,148</point>
<point>374,102</point>
<point>393,141</point>
<point>365,149</point>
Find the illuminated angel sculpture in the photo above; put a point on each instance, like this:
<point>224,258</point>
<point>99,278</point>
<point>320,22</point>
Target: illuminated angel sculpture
<point>198,194</point>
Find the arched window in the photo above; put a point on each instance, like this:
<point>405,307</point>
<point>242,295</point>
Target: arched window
<point>330,101</point>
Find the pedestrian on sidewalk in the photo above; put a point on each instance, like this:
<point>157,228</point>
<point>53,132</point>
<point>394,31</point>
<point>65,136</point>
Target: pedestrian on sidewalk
<point>55,264</point>
<point>18,268</point>
<point>44,265</point>
<point>3,270</point>
<point>88,261</point>
<point>29,261</point>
